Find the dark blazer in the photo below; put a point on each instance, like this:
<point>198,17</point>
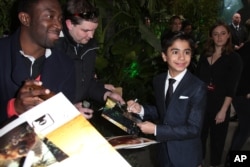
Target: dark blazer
<point>179,126</point>
<point>84,57</point>
<point>239,36</point>
<point>57,74</point>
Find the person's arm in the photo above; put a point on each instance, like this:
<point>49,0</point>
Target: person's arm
<point>109,87</point>
<point>221,115</point>
<point>146,127</point>
<point>85,111</point>
<point>231,87</point>
<point>134,107</point>
<point>114,96</point>
<point>226,104</point>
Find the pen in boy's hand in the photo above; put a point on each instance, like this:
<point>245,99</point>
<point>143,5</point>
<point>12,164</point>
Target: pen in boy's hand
<point>129,109</point>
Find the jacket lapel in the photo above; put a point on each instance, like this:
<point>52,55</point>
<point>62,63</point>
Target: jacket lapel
<point>160,87</point>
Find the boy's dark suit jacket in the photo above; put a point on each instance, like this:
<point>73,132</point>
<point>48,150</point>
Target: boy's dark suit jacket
<point>179,126</point>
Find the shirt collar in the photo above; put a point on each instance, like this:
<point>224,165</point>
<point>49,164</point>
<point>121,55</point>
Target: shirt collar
<point>32,59</point>
<point>235,26</point>
<point>179,77</point>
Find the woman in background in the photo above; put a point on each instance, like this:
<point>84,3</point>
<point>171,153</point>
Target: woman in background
<point>220,68</point>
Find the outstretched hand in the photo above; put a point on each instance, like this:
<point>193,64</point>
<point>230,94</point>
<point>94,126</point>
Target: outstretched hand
<point>114,96</point>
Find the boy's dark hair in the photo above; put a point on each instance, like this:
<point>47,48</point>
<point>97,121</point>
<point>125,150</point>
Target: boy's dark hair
<point>78,10</point>
<point>168,39</point>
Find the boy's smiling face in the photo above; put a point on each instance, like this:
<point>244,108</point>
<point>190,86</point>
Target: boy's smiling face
<point>178,57</point>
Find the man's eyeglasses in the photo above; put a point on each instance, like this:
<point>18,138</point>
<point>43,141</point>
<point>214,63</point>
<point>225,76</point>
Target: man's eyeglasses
<point>88,15</point>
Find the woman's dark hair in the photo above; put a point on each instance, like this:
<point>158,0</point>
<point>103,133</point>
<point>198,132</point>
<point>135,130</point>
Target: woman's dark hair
<point>209,47</point>
<point>79,10</point>
<point>169,39</point>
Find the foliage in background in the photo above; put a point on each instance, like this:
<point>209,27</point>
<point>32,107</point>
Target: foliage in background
<point>5,16</point>
<point>130,47</point>
<point>128,34</point>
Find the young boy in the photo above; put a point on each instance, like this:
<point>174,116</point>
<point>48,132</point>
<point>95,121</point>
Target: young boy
<point>179,122</point>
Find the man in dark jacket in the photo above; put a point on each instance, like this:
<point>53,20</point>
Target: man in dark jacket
<point>238,32</point>
<point>81,21</point>
<point>27,60</point>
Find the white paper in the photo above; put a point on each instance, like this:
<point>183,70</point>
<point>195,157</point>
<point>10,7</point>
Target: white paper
<point>51,114</point>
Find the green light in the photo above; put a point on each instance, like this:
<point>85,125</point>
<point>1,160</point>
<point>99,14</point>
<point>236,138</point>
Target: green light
<point>132,70</point>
